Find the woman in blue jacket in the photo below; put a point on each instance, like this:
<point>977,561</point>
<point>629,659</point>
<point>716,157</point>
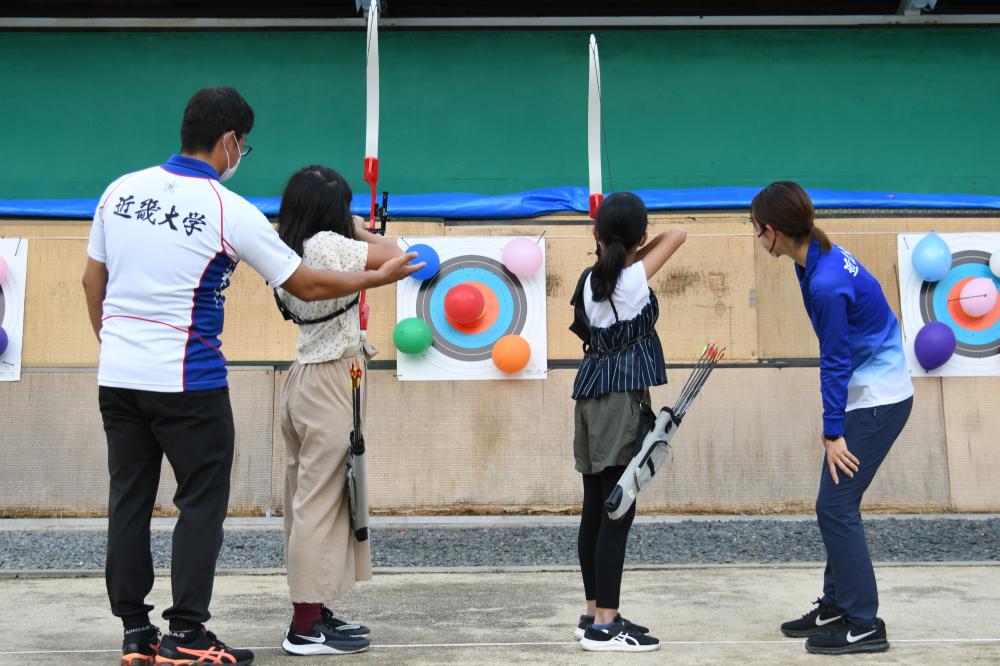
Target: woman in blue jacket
<point>867,397</point>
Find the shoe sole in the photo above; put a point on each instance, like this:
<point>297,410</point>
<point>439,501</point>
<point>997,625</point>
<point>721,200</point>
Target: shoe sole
<point>873,646</point>
<point>318,648</point>
<point>815,631</point>
<point>167,661</point>
<point>614,646</point>
<point>137,659</point>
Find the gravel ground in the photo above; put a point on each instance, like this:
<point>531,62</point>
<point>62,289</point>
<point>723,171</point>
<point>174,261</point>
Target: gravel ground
<point>688,542</point>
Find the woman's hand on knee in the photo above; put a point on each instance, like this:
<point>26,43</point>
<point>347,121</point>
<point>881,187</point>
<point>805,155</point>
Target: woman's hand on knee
<point>837,456</point>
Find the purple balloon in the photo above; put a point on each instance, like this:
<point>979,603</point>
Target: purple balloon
<point>934,345</point>
<point>4,341</point>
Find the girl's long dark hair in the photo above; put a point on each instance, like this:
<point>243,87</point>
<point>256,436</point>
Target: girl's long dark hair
<point>621,224</point>
<point>785,206</point>
<point>316,198</point>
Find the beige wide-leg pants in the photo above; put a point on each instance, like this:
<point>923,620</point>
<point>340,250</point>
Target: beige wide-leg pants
<point>323,557</point>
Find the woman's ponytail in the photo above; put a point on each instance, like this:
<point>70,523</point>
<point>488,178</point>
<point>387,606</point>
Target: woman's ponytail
<point>820,235</point>
<point>609,266</point>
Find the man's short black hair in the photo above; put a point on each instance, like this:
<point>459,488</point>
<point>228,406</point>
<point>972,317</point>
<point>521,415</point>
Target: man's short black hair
<point>210,113</point>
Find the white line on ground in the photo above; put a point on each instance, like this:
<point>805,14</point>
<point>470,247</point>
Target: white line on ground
<point>402,646</point>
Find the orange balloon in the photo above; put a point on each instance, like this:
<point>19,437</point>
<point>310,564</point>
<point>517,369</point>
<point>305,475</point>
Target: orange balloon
<point>511,353</point>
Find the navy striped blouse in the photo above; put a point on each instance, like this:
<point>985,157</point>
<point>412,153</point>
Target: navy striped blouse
<point>625,356</point>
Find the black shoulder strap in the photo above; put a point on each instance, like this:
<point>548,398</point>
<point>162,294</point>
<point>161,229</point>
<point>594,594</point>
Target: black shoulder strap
<point>294,318</point>
<point>580,326</point>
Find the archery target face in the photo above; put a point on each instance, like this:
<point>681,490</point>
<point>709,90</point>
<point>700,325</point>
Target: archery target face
<point>513,306</point>
<point>15,252</point>
<point>977,349</point>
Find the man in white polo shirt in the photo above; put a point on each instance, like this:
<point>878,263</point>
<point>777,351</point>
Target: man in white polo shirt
<point>163,245</point>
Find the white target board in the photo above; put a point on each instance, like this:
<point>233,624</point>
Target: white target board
<point>977,350</point>
<point>513,306</point>
<point>14,252</point>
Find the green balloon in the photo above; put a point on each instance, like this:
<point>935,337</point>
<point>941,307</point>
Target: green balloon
<point>412,336</point>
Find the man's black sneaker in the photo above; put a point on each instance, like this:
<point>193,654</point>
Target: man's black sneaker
<point>323,639</point>
<point>348,628</point>
<point>616,638</point>
<point>199,647</point>
<point>850,639</point>
<point>140,645</point>
<point>581,628</point>
<point>819,620</point>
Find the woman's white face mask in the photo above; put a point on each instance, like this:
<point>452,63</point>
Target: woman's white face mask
<point>231,168</point>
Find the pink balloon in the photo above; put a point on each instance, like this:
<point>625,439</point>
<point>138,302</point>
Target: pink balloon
<point>979,297</point>
<point>522,257</point>
<point>3,269</point>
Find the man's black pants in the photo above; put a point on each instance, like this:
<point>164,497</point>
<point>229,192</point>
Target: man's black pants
<point>195,431</point>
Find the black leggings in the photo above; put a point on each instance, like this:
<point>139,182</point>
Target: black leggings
<point>601,542</point>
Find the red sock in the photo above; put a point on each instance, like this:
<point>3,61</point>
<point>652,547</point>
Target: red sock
<point>305,616</point>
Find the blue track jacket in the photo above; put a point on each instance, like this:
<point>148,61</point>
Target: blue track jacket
<point>861,349</point>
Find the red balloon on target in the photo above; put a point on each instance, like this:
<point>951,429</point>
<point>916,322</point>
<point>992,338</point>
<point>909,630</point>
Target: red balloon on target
<point>464,304</point>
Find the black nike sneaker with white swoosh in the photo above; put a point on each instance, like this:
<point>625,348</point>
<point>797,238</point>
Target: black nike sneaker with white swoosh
<point>616,637</point>
<point>850,639</point>
<point>820,620</point>
<point>323,639</point>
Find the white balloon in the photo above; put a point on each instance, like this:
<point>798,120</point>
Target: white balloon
<point>995,263</point>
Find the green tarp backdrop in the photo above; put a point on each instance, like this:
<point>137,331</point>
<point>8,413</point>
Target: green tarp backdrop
<point>493,111</point>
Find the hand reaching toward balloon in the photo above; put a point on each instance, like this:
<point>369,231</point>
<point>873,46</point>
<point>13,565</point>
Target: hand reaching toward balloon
<point>397,268</point>
<point>837,455</point>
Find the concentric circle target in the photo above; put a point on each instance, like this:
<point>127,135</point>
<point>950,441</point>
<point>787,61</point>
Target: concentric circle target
<point>507,306</point>
<point>977,348</point>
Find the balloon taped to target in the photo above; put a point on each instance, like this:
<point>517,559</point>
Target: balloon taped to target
<point>948,290</point>
<point>475,312</point>
<point>13,272</point>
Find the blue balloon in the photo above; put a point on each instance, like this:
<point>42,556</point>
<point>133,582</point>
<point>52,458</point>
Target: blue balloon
<point>932,258</point>
<point>4,341</point>
<point>428,255</point>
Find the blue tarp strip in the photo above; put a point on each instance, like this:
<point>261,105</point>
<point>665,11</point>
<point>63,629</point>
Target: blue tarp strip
<point>465,206</point>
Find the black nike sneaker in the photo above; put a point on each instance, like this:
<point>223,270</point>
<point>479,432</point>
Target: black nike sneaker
<point>323,639</point>
<point>348,628</point>
<point>820,620</point>
<point>140,646</point>
<point>850,639</point>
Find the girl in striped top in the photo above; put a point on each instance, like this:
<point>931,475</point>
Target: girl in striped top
<point>617,312</point>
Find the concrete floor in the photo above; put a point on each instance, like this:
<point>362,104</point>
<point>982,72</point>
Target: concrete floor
<point>936,614</point>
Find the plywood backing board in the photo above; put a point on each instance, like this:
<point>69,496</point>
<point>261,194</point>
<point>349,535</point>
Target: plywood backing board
<point>972,422</point>
<point>55,450</point>
<point>750,443</point>
<point>57,330</point>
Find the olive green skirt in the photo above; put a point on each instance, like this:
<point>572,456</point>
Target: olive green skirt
<point>606,429</point>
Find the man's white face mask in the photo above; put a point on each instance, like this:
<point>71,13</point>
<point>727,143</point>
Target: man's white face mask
<point>231,168</point>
